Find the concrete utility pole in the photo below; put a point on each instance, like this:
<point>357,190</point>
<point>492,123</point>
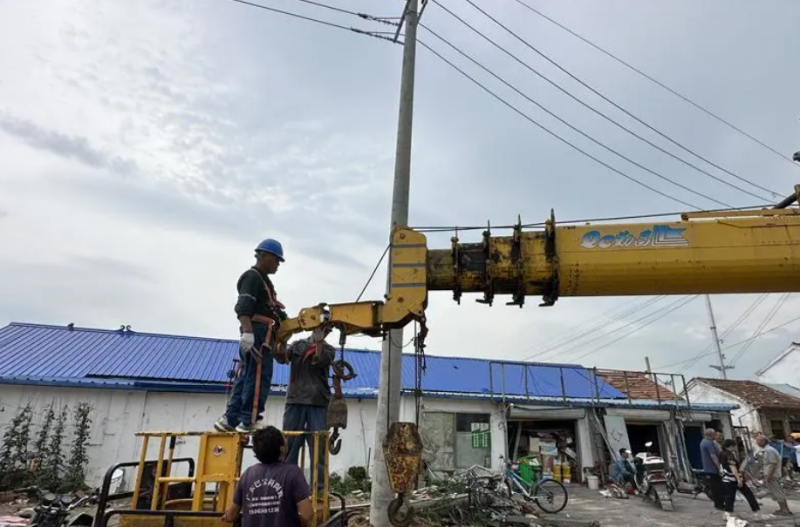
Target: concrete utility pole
<point>392,350</point>
<point>647,363</point>
<point>722,368</point>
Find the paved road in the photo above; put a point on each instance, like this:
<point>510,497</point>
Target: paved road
<point>585,504</point>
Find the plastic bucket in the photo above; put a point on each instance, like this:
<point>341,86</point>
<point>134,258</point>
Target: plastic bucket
<point>593,481</point>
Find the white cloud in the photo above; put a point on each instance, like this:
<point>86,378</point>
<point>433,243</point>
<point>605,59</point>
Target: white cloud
<point>146,147</point>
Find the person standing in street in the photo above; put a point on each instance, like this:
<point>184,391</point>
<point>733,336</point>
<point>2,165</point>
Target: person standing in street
<point>772,475</point>
<point>733,478</point>
<point>308,394</point>
<point>709,453</point>
<point>260,315</point>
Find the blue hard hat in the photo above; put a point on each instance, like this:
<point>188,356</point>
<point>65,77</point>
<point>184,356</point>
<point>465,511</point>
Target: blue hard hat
<point>271,246</point>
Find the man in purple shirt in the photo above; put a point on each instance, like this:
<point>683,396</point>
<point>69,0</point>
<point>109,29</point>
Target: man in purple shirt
<point>271,493</point>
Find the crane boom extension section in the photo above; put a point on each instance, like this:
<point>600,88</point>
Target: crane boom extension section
<point>753,251</point>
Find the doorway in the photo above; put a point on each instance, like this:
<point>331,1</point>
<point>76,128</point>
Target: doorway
<point>639,434</point>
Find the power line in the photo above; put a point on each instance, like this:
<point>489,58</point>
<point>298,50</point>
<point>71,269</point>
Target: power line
<point>650,78</point>
<point>662,312</point>
<point>316,20</point>
<point>603,145</point>
<point>533,121</point>
<point>449,228</point>
<point>725,333</point>
<point>753,337</point>
<point>382,20</point>
<point>615,330</point>
<point>770,315</point>
<point>601,320</point>
<point>608,100</point>
<point>588,106</point>
<point>591,330</point>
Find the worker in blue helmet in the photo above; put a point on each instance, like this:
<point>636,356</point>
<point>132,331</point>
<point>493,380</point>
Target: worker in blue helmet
<point>260,314</point>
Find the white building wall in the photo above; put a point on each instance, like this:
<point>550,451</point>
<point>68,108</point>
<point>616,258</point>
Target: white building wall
<point>700,392</point>
<point>119,414</point>
<point>784,371</point>
<point>496,420</point>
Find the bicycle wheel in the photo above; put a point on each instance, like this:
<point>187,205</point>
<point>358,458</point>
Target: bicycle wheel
<point>548,494</point>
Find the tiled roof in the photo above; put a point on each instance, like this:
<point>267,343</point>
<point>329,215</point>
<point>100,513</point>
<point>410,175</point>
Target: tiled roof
<point>785,388</point>
<point>637,385</point>
<point>754,393</point>
<point>60,354</point>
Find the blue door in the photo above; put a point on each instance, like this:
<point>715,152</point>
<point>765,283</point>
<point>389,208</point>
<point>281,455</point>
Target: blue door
<point>693,435</point>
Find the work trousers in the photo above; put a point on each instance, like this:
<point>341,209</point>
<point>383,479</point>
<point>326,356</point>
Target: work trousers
<point>747,492</point>
<point>717,491</point>
<point>240,405</point>
<point>306,418</point>
<point>729,495</point>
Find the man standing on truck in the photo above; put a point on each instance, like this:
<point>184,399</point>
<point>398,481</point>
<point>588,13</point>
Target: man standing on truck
<point>308,394</point>
<point>260,315</point>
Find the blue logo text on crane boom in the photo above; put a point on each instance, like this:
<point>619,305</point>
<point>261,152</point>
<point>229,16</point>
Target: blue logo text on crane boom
<point>658,236</point>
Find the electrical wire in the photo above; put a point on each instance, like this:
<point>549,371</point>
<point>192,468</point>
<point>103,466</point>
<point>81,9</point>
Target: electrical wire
<point>733,326</point>
<point>372,275</point>
<point>565,141</point>
<point>450,228</point>
<point>677,305</point>
<point>767,319</point>
<point>315,20</point>
<point>576,129</point>
<point>588,106</point>
<point>591,330</point>
<point>603,319</point>
<point>662,311</point>
<point>605,98</point>
<point>659,83</point>
<point>753,337</point>
<point>382,20</point>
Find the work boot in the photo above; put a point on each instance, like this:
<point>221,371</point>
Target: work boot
<point>245,429</point>
<point>222,425</point>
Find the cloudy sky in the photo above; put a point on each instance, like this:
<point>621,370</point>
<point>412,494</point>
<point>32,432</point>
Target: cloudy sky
<point>146,147</point>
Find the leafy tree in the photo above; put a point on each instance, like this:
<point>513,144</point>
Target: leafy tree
<point>40,446</point>
<point>53,460</point>
<point>79,459</point>
<point>14,452</point>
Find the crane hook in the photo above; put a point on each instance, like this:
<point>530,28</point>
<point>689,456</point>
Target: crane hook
<point>397,518</point>
<point>334,442</point>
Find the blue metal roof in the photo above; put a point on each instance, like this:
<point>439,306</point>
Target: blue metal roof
<point>57,354</point>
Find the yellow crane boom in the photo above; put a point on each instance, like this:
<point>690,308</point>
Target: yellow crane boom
<point>741,251</point>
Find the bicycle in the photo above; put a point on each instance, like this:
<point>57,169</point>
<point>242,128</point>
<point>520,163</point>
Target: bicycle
<point>543,491</point>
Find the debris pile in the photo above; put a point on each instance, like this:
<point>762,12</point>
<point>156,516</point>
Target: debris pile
<point>467,500</point>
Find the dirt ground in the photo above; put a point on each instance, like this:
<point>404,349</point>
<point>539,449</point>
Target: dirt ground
<point>585,504</point>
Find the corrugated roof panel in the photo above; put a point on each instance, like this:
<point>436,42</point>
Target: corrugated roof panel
<point>29,350</point>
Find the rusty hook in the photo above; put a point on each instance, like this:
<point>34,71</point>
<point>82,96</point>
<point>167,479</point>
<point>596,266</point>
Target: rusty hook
<point>397,518</point>
<point>344,370</point>
<point>334,442</point>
